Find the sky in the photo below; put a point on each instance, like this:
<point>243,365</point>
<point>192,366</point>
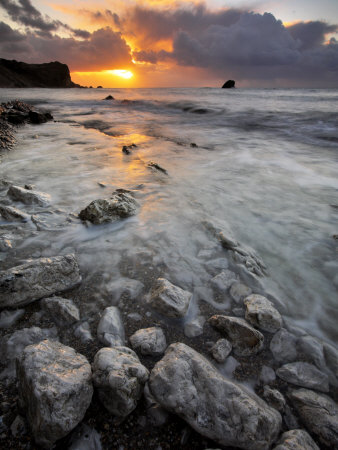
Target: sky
<point>162,43</point>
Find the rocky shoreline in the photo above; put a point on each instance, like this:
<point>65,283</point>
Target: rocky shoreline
<point>132,376</point>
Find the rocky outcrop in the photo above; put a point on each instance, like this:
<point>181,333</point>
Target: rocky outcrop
<point>55,389</point>
<point>110,330</point>
<point>149,341</point>
<point>296,440</point>
<point>228,84</point>
<point>36,279</point>
<point>185,383</point>
<point>168,299</point>
<point>15,74</point>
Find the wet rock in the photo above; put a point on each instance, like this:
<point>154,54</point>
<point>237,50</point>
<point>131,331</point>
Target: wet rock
<point>215,265</point>
<point>6,242</point>
<point>221,350</point>
<point>135,316</point>
<point>331,358</point>
<point>13,214</point>
<point>283,346</point>
<point>62,310</point>
<point>124,286</point>
<point>8,318</point>
<point>119,377</point>
<point>224,280</point>
<point>239,291</point>
<point>244,338</point>
<point>149,341</point>
<point>36,279</point>
<point>194,327</point>
<point>261,313</point>
<point>274,398</point>
<point>82,331</point>
<point>305,375</point>
<point>18,427</point>
<point>187,384</point>
<point>110,330</point>
<point>296,440</point>
<point>55,389</point>
<point>37,117</point>
<point>120,206</point>
<point>155,166</point>
<point>313,349</point>
<point>319,414</point>
<point>267,375</point>
<point>109,97</point>
<point>156,414</point>
<point>84,438</point>
<point>290,419</point>
<point>127,149</point>
<point>168,299</point>
<point>28,196</point>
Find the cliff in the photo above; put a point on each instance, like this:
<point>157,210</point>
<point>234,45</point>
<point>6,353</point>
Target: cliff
<point>14,74</point>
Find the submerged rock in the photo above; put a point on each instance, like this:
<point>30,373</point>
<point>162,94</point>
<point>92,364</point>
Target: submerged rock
<point>244,338</point>
<point>149,341</point>
<point>36,279</point>
<point>224,280</point>
<point>319,414</point>
<point>62,310</point>
<point>120,206</point>
<point>296,440</point>
<point>305,375</point>
<point>55,389</point>
<point>119,377</point>
<point>13,214</point>
<point>6,242</point>
<point>154,165</point>
<point>221,350</point>
<point>283,346</point>
<point>168,299</point>
<point>239,292</point>
<point>28,196</point>
<point>261,313</point>
<point>185,383</point>
<point>110,330</point>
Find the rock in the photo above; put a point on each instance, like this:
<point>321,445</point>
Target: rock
<point>296,440</point>
<point>36,279</point>
<point>135,316</point>
<point>313,349</point>
<point>149,341</point>
<point>194,327</point>
<point>82,331</point>
<point>8,318</point>
<point>283,346</point>
<point>305,375</point>
<point>168,299</point>
<point>290,419</point>
<point>267,375</point>
<point>274,398</point>
<point>13,214</point>
<point>84,438</point>
<point>6,242</point>
<point>110,330</point>
<point>215,265</point>
<point>319,414</point>
<point>127,149</point>
<point>156,414</point>
<point>120,206</point>
<point>62,310</point>
<point>221,350</point>
<point>154,165</point>
<point>223,280</point>
<point>193,145</point>
<point>261,313</point>
<point>109,97</point>
<point>244,338</point>
<point>28,196</point>
<point>55,389</point>
<point>331,358</point>
<point>18,427</point>
<point>119,377</point>
<point>239,291</point>
<point>187,384</point>
<point>228,84</point>
<point>39,117</point>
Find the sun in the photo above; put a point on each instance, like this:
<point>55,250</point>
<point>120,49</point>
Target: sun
<point>121,73</point>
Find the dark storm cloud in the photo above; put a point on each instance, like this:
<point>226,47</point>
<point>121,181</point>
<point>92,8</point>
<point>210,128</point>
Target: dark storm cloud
<point>9,35</point>
<point>24,12</point>
<point>311,34</point>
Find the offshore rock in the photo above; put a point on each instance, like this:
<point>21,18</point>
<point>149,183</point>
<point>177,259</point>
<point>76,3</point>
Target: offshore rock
<point>168,299</point>
<point>305,375</point>
<point>62,310</point>
<point>28,196</point>
<point>244,338</point>
<point>261,313</point>
<point>186,383</point>
<point>36,279</point>
<point>149,341</point>
<point>319,414</point>
<point>120,206</point>
<point>119,377</point>
<point>283,346</point>
<point>55,389</point>
<point>110,330</point>
<point>296,440</point>
<point>228,84</point>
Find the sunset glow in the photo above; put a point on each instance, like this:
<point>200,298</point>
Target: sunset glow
<point>121,73</point>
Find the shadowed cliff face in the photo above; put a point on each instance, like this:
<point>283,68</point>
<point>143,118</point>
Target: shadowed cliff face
<point>14,74</point>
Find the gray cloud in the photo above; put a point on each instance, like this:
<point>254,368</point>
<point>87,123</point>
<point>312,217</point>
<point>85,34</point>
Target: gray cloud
<point>311,34</point>
<point>24,12</point>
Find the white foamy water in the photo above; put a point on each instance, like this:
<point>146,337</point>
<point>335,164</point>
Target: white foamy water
<point>266,166</point>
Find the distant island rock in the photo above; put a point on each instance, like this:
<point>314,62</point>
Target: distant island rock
<point>229,84</point>
<point>15,74</point>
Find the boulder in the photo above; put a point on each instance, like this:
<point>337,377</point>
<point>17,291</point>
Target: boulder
<point>283,346</point>
<point>296,440</point>
<point>319,414</point>
<point>305,375</point>
<point>244,338</point>
<point>223,280</point>
<point>120,206</point>
<point>62,310</point>
<point>55,389</point>
<point>149,341</point>
<point>110,330</point>
<point>221,350</point>
<point>187,384</point>
<point>28,196</point>
<point>36,279</point>
<point>119,378</point>
<point>274,398</point>
<point>261,313</point>
<point>13,214</point>
<point>228,84</point>
<point>168,299</point>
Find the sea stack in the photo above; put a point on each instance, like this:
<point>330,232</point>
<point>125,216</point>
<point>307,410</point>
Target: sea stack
<point>229,84</point>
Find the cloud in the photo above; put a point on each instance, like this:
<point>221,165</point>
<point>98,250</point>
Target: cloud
<point>311,34</point>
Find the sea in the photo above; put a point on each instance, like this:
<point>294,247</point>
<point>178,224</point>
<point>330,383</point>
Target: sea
<point>260,163</point>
